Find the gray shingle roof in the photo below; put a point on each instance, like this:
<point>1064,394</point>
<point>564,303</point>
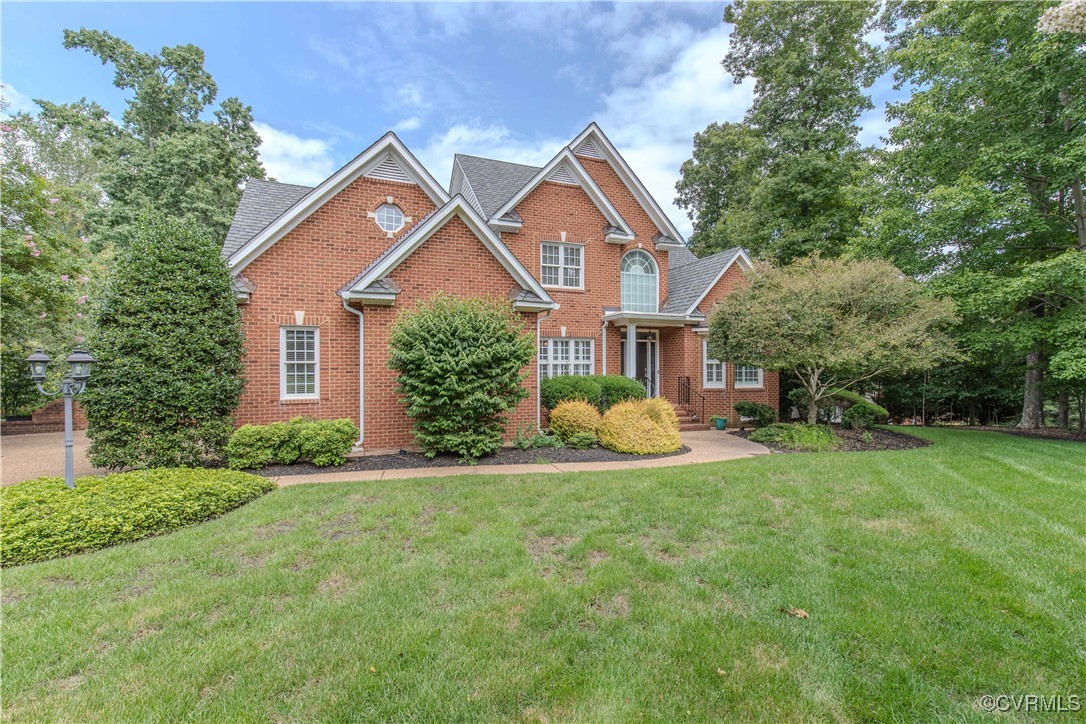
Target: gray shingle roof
<point>689,281</point>
<point>262,202</point>
<point>494,182</point>
<point>680,257</point>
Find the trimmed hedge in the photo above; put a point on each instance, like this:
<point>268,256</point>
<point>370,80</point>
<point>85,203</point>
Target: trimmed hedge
<point>42,519</point>
<point>618,388</point>
<point>553,391</point>
<point>321,442</point>
<point>867,414</point>
<point>638,428</point>
<point>573,417</point>
<point>762,414</point>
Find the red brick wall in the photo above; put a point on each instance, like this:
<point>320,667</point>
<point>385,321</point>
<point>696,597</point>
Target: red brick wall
<point>302,273</point>
<point>47,418</point>
<point>721,401</point>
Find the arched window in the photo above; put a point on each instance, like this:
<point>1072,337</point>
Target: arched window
<point>639,282</point>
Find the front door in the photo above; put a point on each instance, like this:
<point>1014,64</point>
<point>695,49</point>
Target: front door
<point>648,372</point>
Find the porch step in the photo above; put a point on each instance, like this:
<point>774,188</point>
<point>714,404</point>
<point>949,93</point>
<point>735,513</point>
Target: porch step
<point>689,426</point>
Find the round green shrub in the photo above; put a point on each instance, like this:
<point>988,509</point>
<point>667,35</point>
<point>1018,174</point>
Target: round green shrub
<point>553,391</point>
<point>761,414</point>
<point>42,519</point>
<point>862,416</point>
<point>855,398</point>
<point>461,371</point>
<point>581,441</point>
<point>618,388</point>
<point>168,341</point>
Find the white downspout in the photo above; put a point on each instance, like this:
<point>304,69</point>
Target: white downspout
<point>603,336</point>
<point>361,372</point>
<point>538,390</point>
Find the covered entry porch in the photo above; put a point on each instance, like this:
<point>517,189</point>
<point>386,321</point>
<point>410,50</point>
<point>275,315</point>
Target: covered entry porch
<point>660,355</point>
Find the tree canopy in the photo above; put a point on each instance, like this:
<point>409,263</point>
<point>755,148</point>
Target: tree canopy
<point>832,324</point>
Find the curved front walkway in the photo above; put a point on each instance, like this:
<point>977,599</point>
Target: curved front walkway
<point>30,456</point>
<point>706,446</point>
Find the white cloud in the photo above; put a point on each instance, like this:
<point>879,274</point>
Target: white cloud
<point>293,159</point>
<point>407,124</point>
<point>15,101</point>
<point>653,121</point>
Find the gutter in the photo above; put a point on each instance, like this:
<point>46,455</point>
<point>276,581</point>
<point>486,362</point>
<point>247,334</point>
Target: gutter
<point>361,373</point>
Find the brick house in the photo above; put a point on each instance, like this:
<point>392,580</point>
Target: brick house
<point>579,248</point>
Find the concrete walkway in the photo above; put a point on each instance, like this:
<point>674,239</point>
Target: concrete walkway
<point>706,446</point>
<point>30,456</point>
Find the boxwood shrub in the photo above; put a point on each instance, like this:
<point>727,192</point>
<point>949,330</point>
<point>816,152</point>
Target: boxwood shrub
<point>618,388</point>
<point>321,442</point>
<point>42,519</point>
<point>573,417</point>
<point>553,391</point>
<point>761,414</point>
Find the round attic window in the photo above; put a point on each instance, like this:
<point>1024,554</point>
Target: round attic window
<point>390,218</point>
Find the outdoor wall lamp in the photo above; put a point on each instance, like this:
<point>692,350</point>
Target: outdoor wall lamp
<point>79,371</point>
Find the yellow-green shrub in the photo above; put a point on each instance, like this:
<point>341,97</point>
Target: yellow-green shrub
<point>574,416</point>
<point>42,519</point>
<point>661,412</point>
<point>629,427</point>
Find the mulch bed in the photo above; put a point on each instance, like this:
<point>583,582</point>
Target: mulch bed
<point>1044,433</point>
<point>853,441</point>
<point>507,456</point>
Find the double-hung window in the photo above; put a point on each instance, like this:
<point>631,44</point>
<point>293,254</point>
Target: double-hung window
<point>748,376</point>
<point>299,363</point>
<point>561,265</point>
<point>713,369</point>
<point>562,356</point>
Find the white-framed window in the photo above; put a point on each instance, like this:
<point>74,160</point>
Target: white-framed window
<point>561,265</point>
<point>712,370</point>
<point>299,363</point>
<point>748,376</point>
<point>639,281</point>
<point>389,217</point>
<point>566,356</point>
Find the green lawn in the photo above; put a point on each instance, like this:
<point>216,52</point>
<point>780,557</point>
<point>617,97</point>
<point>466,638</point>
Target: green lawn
<point>931,577</point>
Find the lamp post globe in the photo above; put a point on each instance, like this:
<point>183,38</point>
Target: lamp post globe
<point>39,365</point>
<point>80,363</point>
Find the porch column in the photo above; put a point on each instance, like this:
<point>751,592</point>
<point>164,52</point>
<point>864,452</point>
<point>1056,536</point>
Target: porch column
<point>631,350</point>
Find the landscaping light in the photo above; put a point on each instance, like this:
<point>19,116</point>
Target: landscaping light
<point>79,370</point>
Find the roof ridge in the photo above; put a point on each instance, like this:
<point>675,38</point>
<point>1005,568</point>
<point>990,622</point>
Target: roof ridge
<point>276,182</point>
<point>495,160</point>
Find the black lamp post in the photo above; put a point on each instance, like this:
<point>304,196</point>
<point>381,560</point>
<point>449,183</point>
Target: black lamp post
<point>79,370</point>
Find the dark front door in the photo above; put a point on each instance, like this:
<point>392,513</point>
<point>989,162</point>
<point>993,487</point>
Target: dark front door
<point>646,371</point>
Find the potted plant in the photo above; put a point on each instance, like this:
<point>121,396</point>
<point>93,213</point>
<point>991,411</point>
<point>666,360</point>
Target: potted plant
<point>720,422</point>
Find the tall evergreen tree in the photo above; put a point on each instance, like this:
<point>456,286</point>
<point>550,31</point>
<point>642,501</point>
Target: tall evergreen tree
<point>795,155</point>
<point>168,342</point>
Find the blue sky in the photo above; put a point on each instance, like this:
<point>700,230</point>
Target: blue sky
<point>514,81</point>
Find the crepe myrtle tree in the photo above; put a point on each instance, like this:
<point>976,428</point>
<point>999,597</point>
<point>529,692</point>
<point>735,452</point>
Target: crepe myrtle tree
<point>832,324</point>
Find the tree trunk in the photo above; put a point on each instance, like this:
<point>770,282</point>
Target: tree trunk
<point>1063,417</point>
<point>1032,401</point>
<point>812,413</point>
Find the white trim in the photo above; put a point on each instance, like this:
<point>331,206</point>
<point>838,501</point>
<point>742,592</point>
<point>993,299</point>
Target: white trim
<point>316,394</point>
<point>584,180</point>
<point>387,146</point>
<point>607,149</point>
<point>705,360</point>
<point>656,274</point>
<point>361,373</point>
<point>750,385</point>
<point>562,264</point>
<point>460,207</point>
<point>740,255</point>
